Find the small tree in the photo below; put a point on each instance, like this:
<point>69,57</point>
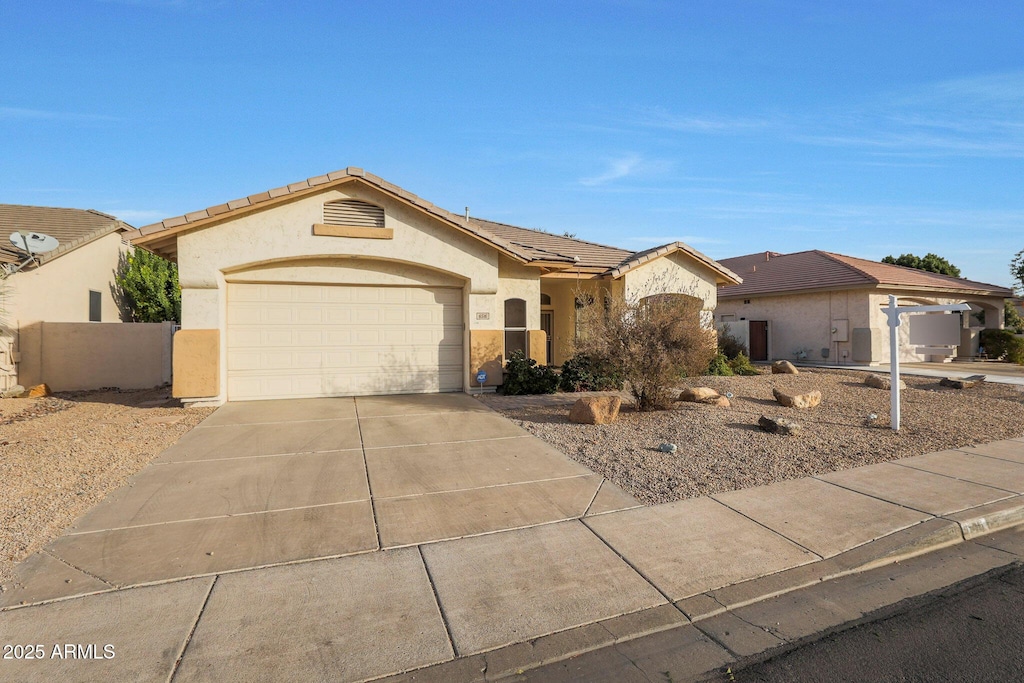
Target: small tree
<point>1017,267</point>
<point>147,288</point>
<point>1012,320</point>
<point>933,263</point>
<point>650,343</point>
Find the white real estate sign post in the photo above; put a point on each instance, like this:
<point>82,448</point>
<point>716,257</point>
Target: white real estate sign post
<point>893,312</point>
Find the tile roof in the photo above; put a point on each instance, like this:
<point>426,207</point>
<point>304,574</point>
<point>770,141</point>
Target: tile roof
<point>541,245</point>
<point>529,246</point>
<point>770,272</point>
<point>72,228</point>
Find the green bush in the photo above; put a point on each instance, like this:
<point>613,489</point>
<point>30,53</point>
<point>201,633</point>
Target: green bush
<point>720,366</point>
<point>730,345</point>
<point>740,365</point>
<point>524,376</point>
<point>1003,344</point>
<point>582,373</point>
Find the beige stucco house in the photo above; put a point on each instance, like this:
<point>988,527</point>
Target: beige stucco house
<point>74,283</point>
<point>824,307</point>
<point>345,284</point>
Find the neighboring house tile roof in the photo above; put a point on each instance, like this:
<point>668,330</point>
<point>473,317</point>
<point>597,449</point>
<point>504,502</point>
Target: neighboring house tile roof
<point>767,273</point>
<point>73,228</point>
<point>526,245</point>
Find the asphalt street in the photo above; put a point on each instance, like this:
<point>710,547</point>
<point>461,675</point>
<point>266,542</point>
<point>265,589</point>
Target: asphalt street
<point>972,631</point>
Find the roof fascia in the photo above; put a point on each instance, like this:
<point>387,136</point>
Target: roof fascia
<point>142,238</point>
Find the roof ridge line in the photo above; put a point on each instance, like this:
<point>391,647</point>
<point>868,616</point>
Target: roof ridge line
<point>545,232</point>
<point>832,257</point>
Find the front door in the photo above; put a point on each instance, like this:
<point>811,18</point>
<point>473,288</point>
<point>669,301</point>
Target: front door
<point>547,323</point>
<point>758,340</point>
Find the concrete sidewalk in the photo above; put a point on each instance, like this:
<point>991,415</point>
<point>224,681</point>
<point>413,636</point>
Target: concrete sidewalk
<point>469,591</point>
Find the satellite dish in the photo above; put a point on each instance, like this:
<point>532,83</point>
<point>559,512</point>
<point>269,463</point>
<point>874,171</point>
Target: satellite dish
<point>34,242</point>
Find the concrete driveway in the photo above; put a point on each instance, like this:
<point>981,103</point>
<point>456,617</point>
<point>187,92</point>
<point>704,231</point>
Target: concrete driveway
<point>268,482</point>
<point>349,539</point>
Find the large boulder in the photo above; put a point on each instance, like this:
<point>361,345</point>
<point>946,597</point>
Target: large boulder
<point>39,391</point>
<point>881,382</point>
<point>595,410</point>
<point>803,401</point>
<point>784,367</point>
<point>955,383</point>
<point>778,425</point>
<point>699,395</point>
<point>14,392</point>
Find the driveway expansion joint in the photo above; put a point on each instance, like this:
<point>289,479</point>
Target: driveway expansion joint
<point>191,632</point>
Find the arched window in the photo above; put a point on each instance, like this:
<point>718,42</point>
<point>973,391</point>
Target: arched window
<point>545,299</point>
<point>515,326</point>
<point>354,213</point>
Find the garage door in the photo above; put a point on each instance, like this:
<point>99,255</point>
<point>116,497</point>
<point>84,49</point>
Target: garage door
<point>290,341</point>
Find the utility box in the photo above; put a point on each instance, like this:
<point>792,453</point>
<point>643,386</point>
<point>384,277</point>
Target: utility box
<point>841,330</point>
<point>862,345</point>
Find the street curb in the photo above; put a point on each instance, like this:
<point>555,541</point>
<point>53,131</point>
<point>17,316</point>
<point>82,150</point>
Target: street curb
<point>927,536</point>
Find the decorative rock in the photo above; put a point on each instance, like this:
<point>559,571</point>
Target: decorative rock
<point>778,425</point>
<point>596,410</point>
<point>721,402</point>
<point>38,391</point>
<point>954,383</point>
<point>14,392</point>
<point>784,367</point>
<point>699,395</point>
<point>802,401</point>
<point>881,382</point>
<point>667,448</point>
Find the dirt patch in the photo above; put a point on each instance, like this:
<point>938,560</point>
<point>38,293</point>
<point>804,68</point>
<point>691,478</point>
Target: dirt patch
<point>722,449</point>
<point>62,454</point>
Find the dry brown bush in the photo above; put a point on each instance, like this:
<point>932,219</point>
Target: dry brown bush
<point>651,343</point>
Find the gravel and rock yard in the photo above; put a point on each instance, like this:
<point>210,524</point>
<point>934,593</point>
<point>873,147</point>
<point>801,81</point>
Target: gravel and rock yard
<point>722,449</point>
<point>60,455</point>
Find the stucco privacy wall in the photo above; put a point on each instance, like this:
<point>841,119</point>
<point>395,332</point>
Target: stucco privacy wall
<point>78,356</point>
<point>260,244</point>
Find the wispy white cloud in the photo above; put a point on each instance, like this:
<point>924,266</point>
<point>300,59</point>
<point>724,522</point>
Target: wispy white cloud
<point>25,114</point>
<point>658,117</point>
<point>623,167</point>
<point>981,116</point>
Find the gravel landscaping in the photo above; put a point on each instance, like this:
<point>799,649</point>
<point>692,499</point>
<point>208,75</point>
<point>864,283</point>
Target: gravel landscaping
<point>722,449</point>
<point>60,455</point>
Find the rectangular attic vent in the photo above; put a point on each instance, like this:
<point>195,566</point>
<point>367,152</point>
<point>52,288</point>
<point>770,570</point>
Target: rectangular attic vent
<point>354,213</point>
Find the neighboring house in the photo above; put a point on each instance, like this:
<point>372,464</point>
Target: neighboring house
<point>825,307</point>
<point>345,284</point>
<point>74,283</point>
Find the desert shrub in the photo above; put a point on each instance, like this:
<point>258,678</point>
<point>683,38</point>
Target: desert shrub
<point>649,343</point>
<point>1012,320</point>
<point>583,373</point>
<point>740,365</point>
<point>729,344</point>
<point>524,376</point>
<point>1003,344</point>
<point>719,366</point>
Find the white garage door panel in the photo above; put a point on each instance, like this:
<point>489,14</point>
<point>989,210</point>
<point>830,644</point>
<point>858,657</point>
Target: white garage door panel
<point>323,340</point>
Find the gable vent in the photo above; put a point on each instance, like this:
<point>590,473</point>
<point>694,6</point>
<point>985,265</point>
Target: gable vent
<point>353,212</point>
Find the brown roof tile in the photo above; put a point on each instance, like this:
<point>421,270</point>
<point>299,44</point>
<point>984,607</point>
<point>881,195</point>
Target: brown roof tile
<point>72,228</point>
<point>767,273</point>
<point>522,243</point>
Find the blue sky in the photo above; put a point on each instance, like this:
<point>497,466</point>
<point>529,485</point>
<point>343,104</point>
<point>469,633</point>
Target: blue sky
<point>867,128</point>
